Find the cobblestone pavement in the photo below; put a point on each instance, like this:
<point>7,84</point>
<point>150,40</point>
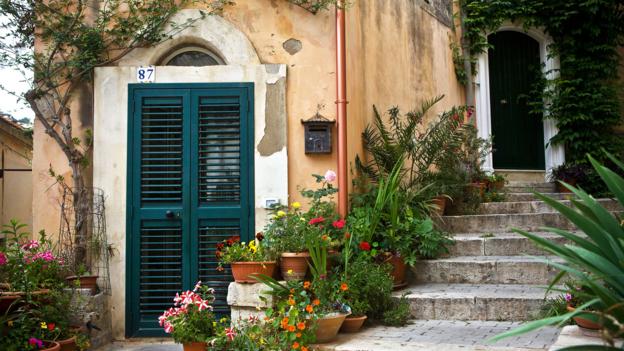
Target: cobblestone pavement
<point>417,336</point>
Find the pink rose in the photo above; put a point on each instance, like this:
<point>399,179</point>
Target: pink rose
<point>330,176</point>
<point>3,259</point>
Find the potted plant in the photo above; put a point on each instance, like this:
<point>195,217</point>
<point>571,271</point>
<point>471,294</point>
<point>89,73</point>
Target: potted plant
<point>83,279</point>
<point>495,182</point>
<point>577,296</point>
<point>246,260</point>
<point>566,173</point>
<point>191,321</point>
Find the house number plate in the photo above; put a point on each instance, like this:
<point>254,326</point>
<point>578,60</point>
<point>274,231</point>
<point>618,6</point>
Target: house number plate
<point>146,74</point>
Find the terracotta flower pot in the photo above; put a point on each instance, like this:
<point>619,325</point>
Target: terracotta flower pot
<point>51,346</point>
<point>6,300</point>
<point>68,344</point>
<point>562,189</point>
<point>244,271</point>
<point>398,271</point>
<point>85,281</point>
<point>294,265</point>
<point>194,346</point>
<point>584,323</point>
<point>496,186</point>
<point>440,203</point>
<point>328,326</point>
<point>352,324</point>
<point>480,187</point>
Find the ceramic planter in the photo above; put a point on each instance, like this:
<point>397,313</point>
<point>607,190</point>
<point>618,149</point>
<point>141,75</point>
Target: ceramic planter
<point>85,281</point>
<point>294,265</point>
<point>68,344</point>
<point>584,323</point>
<point>328,326</point>
<point>440,203</point>
<point>51,346</point>
<point>244,271</point>
<point>352,324</point>
<point>398,271</point>
<point>194,346</point>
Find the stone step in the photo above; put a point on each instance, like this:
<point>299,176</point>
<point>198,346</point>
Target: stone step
<point>499,244</point>
<point>443,335</point>
<point>520,187</point>
<point>534,206</point>
<point>529,196</point>
<point>497,223</point>
<point>506,302</point>
<point>485,270</point>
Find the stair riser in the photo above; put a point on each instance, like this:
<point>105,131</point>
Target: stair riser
<point>487,272</point>
<point>515,197</point>
<point>504,223</point>
<point>465,309</point>
<point>515,246</point>
<point>533,207</point>
<point>530,189</point>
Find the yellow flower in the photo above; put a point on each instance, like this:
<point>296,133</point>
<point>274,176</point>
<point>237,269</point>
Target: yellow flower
<point>289,272</point>
<point>214,324</point>
<point>223,320</point>
<point>296,205</point>
<point>10,323</point>
<point>280,214</point>
<point>44,325</point>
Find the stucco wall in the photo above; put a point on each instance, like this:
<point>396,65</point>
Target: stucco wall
<point>398,54</point>
<point>15,187</point>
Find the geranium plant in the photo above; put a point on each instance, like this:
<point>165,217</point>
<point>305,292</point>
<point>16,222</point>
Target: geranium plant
<point>191,319</point>
<point>28,265</point>
<point>233,250</point>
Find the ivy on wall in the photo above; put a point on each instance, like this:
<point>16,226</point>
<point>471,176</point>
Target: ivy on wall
<point>586,34</point>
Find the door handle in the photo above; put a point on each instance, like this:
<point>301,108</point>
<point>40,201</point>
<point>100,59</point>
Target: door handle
<point>170,214</point>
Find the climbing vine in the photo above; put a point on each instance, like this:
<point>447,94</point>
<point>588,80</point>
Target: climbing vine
<point>586,33</point>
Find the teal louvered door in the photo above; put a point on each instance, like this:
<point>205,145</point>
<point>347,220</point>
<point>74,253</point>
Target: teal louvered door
<point>518,136</point>
<point>190,186</point>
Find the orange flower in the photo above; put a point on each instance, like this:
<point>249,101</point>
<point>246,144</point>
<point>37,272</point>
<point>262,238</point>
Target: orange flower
<point>298,335</point>
<point>295,345</point>
<point>309,309</point>
<point>284,323</point>
<point>292,291</point>
<point>301,326</point>
<point>291,301</point>
<point>316,302</point>
<point>344,287</point>
<point>291,328</point>
<point>303,348</point>
<point>306,285</point>
<point>324,237</point>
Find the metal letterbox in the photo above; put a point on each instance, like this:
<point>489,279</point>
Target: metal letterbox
<point>318,135</point>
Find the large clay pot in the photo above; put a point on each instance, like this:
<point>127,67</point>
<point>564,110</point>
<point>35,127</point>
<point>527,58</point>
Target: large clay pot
<point>6,300</point>
<point>398,271</point>
<point>294,265</point>
<point>194,346</point>
<point>584,323</point>
<point>68,344</point>
<point>328,326</point>
<point>352,324</point>
<point>244,271</point>
<point>496,186</point>
<point>440,203</point>
<point>85,281</point>
<point>562,189</point>
<point>51,346</point>
<point>480,187</point>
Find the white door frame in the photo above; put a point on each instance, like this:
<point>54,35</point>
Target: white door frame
<point>554,155</point>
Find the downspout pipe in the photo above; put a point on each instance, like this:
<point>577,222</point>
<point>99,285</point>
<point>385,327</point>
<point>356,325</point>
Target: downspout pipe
<point>341,111</point>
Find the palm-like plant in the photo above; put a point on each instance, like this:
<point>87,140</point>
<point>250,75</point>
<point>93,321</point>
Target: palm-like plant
<point>596,259</point>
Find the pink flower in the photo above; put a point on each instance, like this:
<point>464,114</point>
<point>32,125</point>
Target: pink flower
<point>35,342</point>
<point>32,244</point>
<point>3,259</point>
<point>168,328</point>
<point>197,286</point>
<point>230,333</point>
<point>203,305</point>
<point>568,297</point>
<point>339,224</point>
<point>330,176</point>
<point>317,220</point>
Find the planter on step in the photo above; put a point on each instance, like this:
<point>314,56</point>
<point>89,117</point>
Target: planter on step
<point>440,203</point>
<point>353,324</point>
<point>583,322</point>
<point>398,271</point>
<point>562,189</point>
<point>50,346</point>
<point>68,344</point>
<point>84,282</point>
<point>243,272</point>
<point>194,346</point>
<point>294,265</point>
<point>328,326</point>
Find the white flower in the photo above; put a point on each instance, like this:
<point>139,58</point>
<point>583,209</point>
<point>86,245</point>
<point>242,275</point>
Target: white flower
<point>330,176</point>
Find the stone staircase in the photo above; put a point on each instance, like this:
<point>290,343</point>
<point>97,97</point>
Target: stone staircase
<point>492,273</point>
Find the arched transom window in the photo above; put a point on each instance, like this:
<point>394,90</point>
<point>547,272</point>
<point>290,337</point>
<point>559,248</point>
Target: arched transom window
<point>192,56</point>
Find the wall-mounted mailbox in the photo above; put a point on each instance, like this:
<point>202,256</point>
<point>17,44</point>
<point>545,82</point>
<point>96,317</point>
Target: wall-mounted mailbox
<point>318,135</point>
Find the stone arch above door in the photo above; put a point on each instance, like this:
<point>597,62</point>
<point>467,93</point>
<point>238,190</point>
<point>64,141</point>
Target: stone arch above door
<point>213,33</point>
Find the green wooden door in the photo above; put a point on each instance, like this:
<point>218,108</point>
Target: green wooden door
<point>190,186</point>
<point>518,136</point>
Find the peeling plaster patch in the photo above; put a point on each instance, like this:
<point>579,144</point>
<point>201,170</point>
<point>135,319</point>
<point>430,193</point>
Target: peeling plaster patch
<point>274,139</point>
<point>292,46</point>
<point>278,71</point>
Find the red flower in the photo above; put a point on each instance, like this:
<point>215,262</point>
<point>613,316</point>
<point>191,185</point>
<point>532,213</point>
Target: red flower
<point>365,246</point>
<point>347,235</point>
<point>339,224</point>
<point>220,246</point>
<point>51,326</point>
<point>317,220</point>
<point>259,236</point>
